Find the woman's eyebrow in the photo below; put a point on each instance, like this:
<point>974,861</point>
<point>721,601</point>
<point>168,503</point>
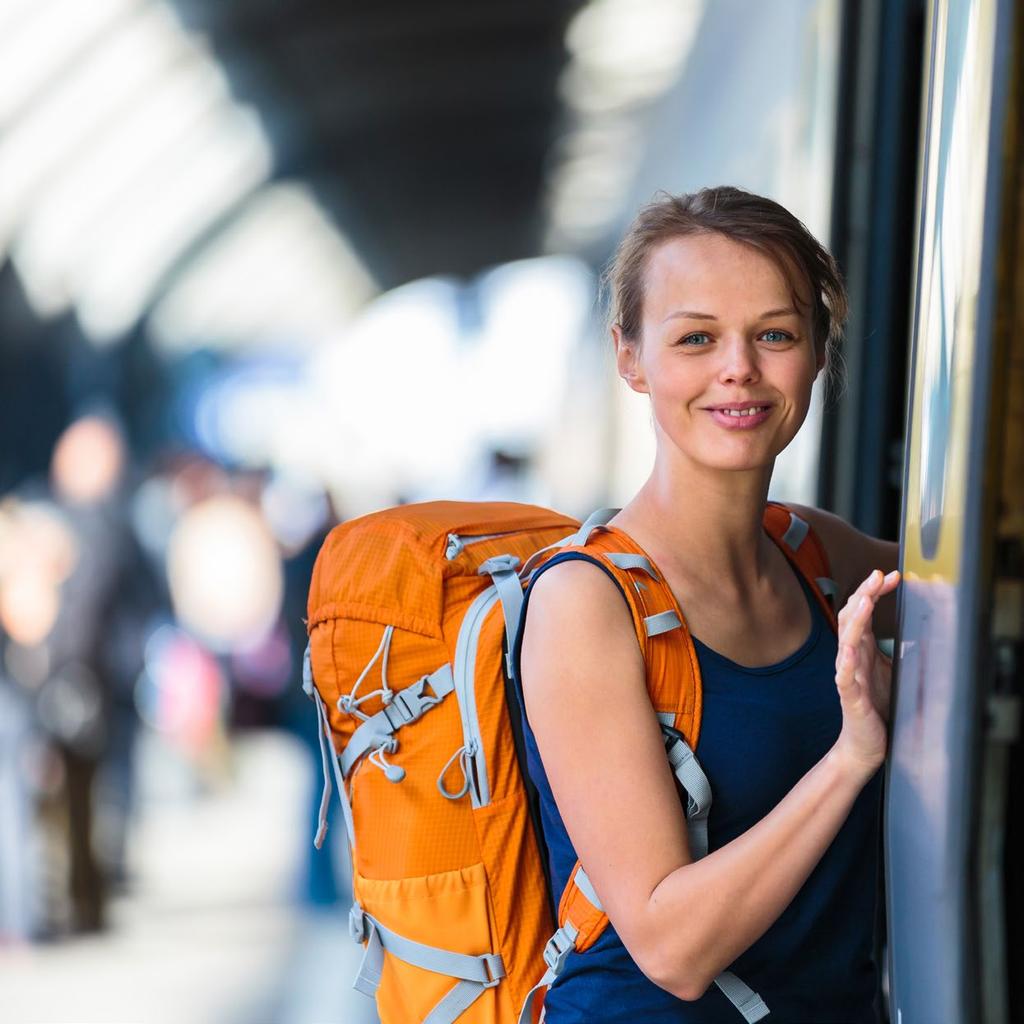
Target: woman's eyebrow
<point>690,314</point>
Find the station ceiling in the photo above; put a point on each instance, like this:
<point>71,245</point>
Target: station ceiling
<point>423,128</point>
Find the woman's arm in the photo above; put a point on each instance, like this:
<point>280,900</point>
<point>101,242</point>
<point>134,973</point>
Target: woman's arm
<point>683,922</point>
<point>852,555</point>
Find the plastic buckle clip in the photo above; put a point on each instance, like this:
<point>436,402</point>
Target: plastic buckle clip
<point>557,951</point>
<point>357,923</point>
<point>409,704</point>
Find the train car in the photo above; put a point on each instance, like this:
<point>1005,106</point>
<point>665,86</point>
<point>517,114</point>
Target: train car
<point>954,774</point>
<point>953,780</point>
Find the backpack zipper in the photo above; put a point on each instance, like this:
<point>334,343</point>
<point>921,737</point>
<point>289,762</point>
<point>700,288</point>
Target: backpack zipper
<point>458,541</point>
<point>465,692</point>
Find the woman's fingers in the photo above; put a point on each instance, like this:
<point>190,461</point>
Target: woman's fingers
<point>861,604</point>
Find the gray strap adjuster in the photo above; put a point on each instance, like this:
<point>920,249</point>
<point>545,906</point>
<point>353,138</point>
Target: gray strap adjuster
<point>499,563</point>
<point>357,923</point>
<point>559,946</point>
<point>409,704</point>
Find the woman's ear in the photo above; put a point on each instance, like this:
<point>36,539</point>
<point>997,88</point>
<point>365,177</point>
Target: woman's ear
<point>820,361</point>
<point>627,359</point>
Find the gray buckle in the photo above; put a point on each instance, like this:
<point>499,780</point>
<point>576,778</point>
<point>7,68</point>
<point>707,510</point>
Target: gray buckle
<point>557,951</point>
<point>409,704</point>
<point>494,964</point>
<point>357,923</point>
<point>499,563</point>
<point>307,674</point>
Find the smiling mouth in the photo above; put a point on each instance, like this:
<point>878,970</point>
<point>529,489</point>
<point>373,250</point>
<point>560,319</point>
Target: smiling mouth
<point>739,413</point>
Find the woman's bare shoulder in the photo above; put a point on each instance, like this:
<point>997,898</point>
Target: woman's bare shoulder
<point>579,630</point>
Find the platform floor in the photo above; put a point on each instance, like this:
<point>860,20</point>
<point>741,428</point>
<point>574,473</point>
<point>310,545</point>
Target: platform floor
<point>210,932</point>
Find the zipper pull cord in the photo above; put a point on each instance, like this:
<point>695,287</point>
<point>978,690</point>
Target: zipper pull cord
<point>392,772</point>
<point>348,702</point>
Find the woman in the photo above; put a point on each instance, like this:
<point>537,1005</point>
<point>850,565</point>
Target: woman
<point>722,301</point>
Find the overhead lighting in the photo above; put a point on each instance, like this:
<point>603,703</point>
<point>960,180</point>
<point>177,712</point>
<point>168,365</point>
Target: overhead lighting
<point>624,55</point>
<point>239,292</point>
<point>80,104</point>
<point>119,265</point>
<point>36,47</point>
<point>94,185</point>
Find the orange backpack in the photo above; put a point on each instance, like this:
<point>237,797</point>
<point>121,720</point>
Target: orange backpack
<point>410,616</point>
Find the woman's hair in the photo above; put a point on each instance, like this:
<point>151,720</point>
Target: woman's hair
<point>751,220</point>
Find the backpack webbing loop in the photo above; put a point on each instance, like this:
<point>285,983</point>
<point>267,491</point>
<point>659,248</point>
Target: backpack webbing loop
<point>474,974</point>
<point>797,530</point>
<point>329,765</point>
<point>655,625</point>
<point>688,771</point>
<point>744,998</point>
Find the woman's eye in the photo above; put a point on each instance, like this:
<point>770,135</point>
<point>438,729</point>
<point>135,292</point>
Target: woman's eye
<point>774,335</point>
<point>698,338</point>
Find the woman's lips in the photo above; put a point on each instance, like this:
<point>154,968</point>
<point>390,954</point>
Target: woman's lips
<point>746,421</point>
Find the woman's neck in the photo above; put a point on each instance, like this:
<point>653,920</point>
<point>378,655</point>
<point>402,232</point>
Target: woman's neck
<point>707,523</point>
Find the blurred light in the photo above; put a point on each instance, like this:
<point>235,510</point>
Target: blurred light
<point>389,395</point>
<point>534,314</point>
<point>70,707</point>
<point>629,50</point>
<point>413,395</point>
<point>182,689</point>
<point>29,606</point>
<point>82,103</point>
<point>28,665</point>
<point>238,411</point>
<point>13,14</point>
<point>624,55</point>
<point>264,668</point>
<point>240,291</point>
<point>224,572</point>
<point>38,551</point>
<point>295,507</point>
<point>52,35</point>
<point>153,514</point>
<point>87,460</point>
<point>79,197</point>
<point>121,263</point>
<point>127,151</point>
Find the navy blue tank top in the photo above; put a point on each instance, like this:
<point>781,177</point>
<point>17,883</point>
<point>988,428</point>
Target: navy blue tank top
<point>762,729</point>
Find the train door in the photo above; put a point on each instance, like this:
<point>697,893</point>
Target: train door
<point>954,717</point>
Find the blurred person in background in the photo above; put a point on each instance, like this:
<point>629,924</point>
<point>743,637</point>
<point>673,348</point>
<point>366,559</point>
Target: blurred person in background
<point>74,593</point>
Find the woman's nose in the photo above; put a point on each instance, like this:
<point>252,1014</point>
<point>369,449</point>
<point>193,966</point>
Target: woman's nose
<point>739,361</point>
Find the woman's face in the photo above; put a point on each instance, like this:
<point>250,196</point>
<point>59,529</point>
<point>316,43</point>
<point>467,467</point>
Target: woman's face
<point>720,329</point>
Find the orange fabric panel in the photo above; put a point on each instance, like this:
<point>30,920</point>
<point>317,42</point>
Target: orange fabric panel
<point>449,910</point>
<point>584,916</point>
<point>518,890</point>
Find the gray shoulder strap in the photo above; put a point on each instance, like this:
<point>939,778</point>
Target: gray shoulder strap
<point>622,560</point>
<point>797,530</point>
<point>662,622</point>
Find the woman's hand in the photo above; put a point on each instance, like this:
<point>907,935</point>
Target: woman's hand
<point>863,676</point>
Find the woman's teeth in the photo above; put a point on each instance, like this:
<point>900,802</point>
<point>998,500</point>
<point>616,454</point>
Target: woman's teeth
<point>744,412</point>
